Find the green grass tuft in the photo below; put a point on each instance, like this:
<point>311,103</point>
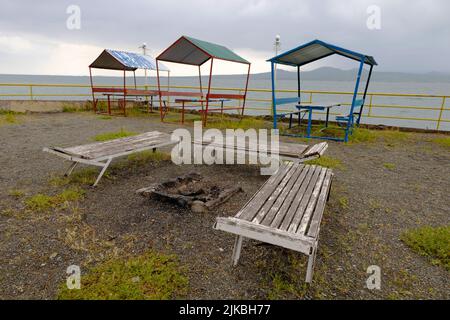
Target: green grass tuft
<point>344,202</point>
<point>69,108</point>
<point>39,202</point>
<point>16,193</point>
<point>105,117</point>
<point>431,242</point>
<point>361,135</point>
<point>443,141</point>
<point>148,156</point>
<point>152,276</point>
<point>244,123</point>
<point>42,202</point>
<point>390,137</point>
<point>388,165</point>
<point>8,117</point>
<point>114,135</point>
<point>327,162</point>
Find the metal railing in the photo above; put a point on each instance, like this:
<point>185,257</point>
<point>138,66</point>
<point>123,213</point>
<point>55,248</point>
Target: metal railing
<point>260,101</point>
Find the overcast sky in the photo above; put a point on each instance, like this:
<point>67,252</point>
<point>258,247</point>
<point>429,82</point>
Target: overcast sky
<point>34,38</point>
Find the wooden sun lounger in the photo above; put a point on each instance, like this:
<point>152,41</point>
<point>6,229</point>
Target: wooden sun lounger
<point>287,151</point>
<point>286,212</point>
<point>102,153</point>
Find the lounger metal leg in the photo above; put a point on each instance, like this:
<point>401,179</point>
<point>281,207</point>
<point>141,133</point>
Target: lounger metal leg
<point>70,169</point>
<point>102,172</point>
<point>237,250</point>
<point>311,263</point>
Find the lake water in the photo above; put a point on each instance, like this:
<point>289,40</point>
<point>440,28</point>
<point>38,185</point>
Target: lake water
<point>378,113</point>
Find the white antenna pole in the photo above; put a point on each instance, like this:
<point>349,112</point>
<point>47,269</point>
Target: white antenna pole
<point>144,51</point>
<point>277,46</point>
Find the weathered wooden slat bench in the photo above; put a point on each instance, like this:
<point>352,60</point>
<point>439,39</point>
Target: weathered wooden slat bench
<point>102,153</point>
<point>287,151</point>
<point>286,211</point>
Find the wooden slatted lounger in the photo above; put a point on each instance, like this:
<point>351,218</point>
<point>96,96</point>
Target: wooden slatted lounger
<point>287,151</point>
<point>286,211</point>
<point>102,153</point>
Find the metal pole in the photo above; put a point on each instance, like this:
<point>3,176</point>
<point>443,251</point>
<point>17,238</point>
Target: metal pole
<point>94,105</point>
<point>159,91</point>
<point>440,113</point>
<point>298,85</point>
<point>274,106</point>
<point>124,93</point>
<point>355,93</point>
<point>205,117</point>
<point>277,46</point>
<point>365,94</point>
<point>200,79</point>
<point>246,89</point>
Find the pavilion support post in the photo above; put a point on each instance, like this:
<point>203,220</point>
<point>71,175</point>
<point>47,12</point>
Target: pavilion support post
<point>298,85</point>
<point>159,90</point>
<point>134,77</point>
<point>274,105</point>
<point>246,89</point>
<point>124,92</point>
<point>201,86</point>
<point>94,104</point>
<point>168,88</point>
<point>355,94</point>
<point>365,94</point>
<point>205,114</point>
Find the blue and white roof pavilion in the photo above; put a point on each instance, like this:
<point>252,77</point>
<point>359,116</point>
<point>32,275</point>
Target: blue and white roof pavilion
<point>122,60</point>
<point>316,50</point>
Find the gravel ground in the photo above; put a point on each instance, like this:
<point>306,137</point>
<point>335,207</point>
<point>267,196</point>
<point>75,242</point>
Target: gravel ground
<point>370,206</point>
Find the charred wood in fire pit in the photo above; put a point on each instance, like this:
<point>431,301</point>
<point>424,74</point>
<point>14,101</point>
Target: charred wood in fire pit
<point>185,192</point>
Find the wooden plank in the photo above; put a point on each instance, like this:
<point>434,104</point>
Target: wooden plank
<point>297,200</point>
<point>252,207</point>
<point>323,149</point>
<point>312,203</point>
<point>243,224</point>
<point>225,96</point>
<point>299,211</point>
<point>274,195</point>
<point>101,149</point>
<point>181,94</point>
<point>316,149</point>
<point>280,206</point>
<point>99,145</point>
<point>314,226</point>
<point>115,149</point>
<point>293,150</point>
<point>278,219</point>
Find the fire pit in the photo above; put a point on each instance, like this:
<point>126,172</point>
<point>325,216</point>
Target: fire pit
<point>190,191</point>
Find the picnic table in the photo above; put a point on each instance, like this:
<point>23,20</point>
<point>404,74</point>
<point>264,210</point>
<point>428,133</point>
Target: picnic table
<point>309,108</point>
<point>132,93</point>
<point>183,102</point>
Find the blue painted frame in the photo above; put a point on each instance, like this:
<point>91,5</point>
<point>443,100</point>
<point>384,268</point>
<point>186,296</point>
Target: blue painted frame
<point>362,58</point>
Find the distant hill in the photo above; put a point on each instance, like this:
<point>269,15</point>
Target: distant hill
<point>320,74</point>
<point>334,74</point>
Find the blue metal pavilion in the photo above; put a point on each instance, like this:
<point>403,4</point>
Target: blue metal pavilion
<point>313,51</point>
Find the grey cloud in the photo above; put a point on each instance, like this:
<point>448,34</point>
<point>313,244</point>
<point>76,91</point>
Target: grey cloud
<point>414,36</point>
